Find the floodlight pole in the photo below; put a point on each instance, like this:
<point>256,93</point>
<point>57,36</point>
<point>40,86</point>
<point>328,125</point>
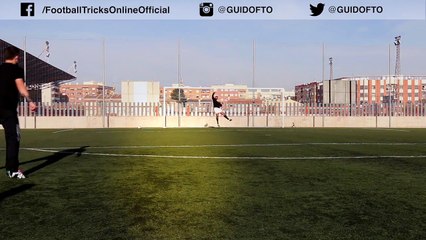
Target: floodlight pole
<point>164,107</point>
<point>390,89</point>
<point>75,66</point>
<point>180,83</point>
<point>323,79</point>
<point>331,78</point>
<point>104,82</point>
<point>282,108</point>
<point>397,43</point>
<point>253,80</point>
<point>323,62</point>
<point>47,51</point>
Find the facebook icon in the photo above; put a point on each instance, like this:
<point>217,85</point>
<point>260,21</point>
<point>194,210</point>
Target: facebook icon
<point>27,9</point>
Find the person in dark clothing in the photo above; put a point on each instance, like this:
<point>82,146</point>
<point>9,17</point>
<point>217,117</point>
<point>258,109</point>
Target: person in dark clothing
<point>217,108</point>
<point>12,86</point>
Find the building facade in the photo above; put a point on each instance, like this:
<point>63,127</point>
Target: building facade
<point>50,93</point>
<point>226,93</point>
<point>309,93</point>
<point>229,93</point>
<point>140,92</point>
<point>87,92</point>
<point>395,89</point>
<point>365,90</point>
<point>340,91</point>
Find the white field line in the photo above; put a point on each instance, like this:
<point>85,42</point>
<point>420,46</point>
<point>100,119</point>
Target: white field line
<point>153,130</point>
<point>231,157</point>
<point>238,145</point>
<point>224,129</point>
<point>387,129</point>
<point>63,130</point>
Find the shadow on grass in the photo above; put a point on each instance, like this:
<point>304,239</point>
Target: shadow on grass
<point>55,157</point>
<point>15,190</point>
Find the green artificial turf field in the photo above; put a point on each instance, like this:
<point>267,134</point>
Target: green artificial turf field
<point>215,183</point>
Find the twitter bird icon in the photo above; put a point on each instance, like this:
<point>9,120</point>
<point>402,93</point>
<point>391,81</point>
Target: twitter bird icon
<point>316,11</point>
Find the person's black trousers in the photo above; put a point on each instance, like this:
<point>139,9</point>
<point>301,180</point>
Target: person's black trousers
<point>12,135</point>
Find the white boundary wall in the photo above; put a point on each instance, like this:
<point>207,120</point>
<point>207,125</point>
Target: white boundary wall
<point>33,122</point>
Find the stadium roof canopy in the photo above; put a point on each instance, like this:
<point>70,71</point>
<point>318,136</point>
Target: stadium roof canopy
<point>38,72</point>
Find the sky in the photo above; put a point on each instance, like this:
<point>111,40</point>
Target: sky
<point>268,53</point>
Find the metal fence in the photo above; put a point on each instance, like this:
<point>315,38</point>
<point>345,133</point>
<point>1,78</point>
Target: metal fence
<point>123,109</point>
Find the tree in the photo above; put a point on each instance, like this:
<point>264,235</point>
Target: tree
<point>175,95</point>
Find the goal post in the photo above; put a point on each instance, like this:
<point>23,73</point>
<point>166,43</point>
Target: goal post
<point>249,107</point>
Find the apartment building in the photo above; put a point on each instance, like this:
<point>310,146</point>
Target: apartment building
<point>365,90</point>
<point>385,89</point>
<point>87,92</point>
<point>229,93</point>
